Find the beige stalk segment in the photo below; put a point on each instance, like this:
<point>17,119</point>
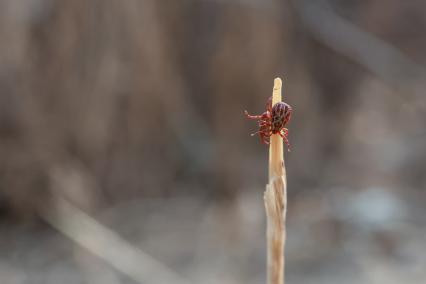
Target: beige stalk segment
<point>275,198</point>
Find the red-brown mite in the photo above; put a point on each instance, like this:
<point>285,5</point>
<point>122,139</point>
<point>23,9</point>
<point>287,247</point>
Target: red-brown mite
<point>273,121</point>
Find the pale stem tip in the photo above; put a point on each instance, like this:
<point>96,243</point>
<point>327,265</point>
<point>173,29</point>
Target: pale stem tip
<point>278,83</point>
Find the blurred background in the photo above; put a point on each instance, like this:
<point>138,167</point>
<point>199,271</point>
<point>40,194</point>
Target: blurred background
<point>125,156</point>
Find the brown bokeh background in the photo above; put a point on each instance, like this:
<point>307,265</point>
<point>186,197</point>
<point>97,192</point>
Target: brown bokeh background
<point>132,111</point>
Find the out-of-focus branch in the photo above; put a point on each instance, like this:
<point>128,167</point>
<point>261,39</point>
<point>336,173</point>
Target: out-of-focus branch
<point>376,55</point>
<point>103,242</point>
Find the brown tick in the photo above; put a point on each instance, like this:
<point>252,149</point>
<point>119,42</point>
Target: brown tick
<point>273,121</point>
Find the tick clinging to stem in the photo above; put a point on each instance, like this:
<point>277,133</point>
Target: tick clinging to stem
<point>273,121</point>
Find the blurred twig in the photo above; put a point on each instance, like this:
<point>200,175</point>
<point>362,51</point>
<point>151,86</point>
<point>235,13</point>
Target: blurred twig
<point>105,243</point>
<point>376,55</point>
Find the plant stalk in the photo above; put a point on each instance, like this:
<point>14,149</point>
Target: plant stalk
<point>275,198</point>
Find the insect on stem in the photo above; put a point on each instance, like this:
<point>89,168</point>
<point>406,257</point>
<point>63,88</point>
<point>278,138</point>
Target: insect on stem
<point>274,119</point>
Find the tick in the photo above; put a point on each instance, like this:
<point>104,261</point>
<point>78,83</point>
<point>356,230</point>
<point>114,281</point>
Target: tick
<point>273,121</point>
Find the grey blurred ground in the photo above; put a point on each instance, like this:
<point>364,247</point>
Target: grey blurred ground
<point>132,112</point>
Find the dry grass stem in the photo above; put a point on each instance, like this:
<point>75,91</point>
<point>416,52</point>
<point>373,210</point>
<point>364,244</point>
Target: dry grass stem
<point>275,198</point>
<point>107,244</point>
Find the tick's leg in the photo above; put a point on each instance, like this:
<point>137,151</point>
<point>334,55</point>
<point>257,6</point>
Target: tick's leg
<point>265,125</point>
<point>257,132</point>
<point>252,116</point>
<point>266,130</point>
<point>265,122</point>
<point>266,134</point>
<point>283,133</point>
<point>264,138</point>
<point>263,130</point>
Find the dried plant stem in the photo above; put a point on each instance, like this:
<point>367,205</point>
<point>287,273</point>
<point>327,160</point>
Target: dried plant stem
<point>275,198</point>
<point>87,232</point>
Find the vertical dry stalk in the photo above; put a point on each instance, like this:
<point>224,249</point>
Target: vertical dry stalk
<point>275,198</point>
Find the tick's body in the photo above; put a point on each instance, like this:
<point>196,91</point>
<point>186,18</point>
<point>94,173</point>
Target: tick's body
<point>273,121</point>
